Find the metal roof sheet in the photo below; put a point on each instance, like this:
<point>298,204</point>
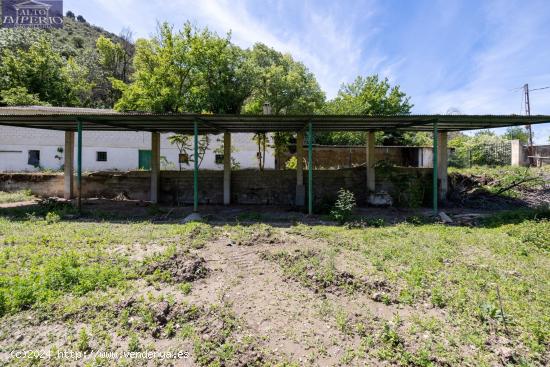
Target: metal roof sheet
<point>65,118</point>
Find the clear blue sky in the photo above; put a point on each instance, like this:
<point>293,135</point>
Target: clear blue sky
<point>472,56</point>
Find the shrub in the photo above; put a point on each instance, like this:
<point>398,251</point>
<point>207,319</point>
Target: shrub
<point>52,217</point>
<point>343,207</point>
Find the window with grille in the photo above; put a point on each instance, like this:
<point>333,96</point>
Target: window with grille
<point>101,156</point>
<point>219,158</point>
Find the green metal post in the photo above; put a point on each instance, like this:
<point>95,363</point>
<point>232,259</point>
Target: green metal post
<point>196,168</point>
<point>435,169</point>
<point>79,165</point>
<point>310,168</point>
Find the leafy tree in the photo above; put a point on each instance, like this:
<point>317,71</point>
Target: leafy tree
<point>184,143</point>
<point>517,133</point>
<point>484,148</point>
<point>367,96</point>
<point>288,86</point>
<point>162,79</point>
<point>81,19</point>
<point>42,72</point>
<point>223,73</point>
<point>70,14</point>
<point>20,96</point>
<point>193,70</point>
<point>14,39</point>
<point>80,91</point>
<point>113,58</point>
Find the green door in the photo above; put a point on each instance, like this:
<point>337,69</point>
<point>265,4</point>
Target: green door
<point>145,160</point>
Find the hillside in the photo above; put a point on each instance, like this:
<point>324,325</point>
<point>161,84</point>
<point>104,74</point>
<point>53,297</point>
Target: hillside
<point>83,70</point>
<point>76,36</point>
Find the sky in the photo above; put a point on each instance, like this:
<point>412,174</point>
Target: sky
<point>448,55</point>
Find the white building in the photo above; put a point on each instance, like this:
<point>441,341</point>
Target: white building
<point>23,149</point>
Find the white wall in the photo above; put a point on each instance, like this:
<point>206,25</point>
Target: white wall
<point>122,150</point>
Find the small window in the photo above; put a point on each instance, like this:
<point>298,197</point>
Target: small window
<point>101,156</point>
<point>34,158</point>
<point>219,158</point>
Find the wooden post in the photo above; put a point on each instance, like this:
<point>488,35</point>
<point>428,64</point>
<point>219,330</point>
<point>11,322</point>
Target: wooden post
<point>226,168</point>
<point>155,166</point>
<point>68,166</point>
<point>300,188</point>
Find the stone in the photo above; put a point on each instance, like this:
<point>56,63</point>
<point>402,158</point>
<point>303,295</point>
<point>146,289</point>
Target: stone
<point>160,311</point>
<point>381,198</point>
<point>445,218</point>
<point>193,217</point>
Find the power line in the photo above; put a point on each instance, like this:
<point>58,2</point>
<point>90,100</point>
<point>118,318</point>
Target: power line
<point>539,88</point>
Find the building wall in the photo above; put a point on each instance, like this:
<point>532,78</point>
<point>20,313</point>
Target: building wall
<point>122,150</point>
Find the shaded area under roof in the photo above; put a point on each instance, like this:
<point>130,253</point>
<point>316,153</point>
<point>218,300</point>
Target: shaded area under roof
<point>65,119</point>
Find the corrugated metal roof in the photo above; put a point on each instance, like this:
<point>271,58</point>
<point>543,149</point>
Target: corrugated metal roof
<point>65,118</point>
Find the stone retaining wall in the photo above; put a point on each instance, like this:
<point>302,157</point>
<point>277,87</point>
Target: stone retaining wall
<point>276,187</point>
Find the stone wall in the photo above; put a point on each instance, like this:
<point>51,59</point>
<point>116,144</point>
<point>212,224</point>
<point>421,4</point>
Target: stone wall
<point>277,187</point>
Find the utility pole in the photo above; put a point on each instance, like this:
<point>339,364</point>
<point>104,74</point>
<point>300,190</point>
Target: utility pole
<point>528,127</point>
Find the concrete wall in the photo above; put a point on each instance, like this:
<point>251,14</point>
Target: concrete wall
<point>248,186</point>
<point>520,154</point>
<point>122,150</point>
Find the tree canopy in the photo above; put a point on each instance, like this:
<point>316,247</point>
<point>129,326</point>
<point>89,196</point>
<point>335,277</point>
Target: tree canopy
<point>369,96</point>
<point>287,85</point>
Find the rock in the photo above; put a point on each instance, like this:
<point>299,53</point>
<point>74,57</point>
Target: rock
<point>381,198</point>
<point>160,311</point>
<point>445,218</point>
<point>193,217</point>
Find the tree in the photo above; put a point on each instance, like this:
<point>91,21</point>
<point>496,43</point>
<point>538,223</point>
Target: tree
<point>184,144</point>
<point>517,133</point>
<point>289,88</point>
<point>70,14</point>
<point>193,70</point>
<point>367,96</point>
<point>42,72</point>
<point>287,85</point>
<point>81,19</point>
<point>484,148</point>
<point>223,75</point>
<point>161,79</point>
<point>20,96</point>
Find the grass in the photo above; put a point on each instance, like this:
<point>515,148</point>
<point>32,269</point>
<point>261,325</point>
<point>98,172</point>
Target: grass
<point>15,196</point>
<point>461,270</point>
<point>477,290</point>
